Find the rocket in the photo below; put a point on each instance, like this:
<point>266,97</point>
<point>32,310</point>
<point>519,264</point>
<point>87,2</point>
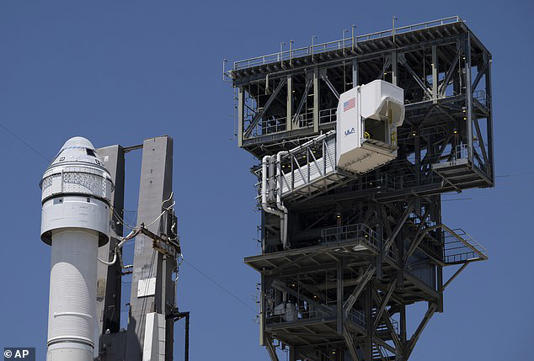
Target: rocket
<point>75,221</point>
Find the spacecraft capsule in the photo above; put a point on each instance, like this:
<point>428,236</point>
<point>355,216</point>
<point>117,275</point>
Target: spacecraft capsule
<point>75,221</point>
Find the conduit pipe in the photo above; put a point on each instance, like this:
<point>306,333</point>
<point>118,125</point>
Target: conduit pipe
<point>279,203</point>
<point>266,161</point>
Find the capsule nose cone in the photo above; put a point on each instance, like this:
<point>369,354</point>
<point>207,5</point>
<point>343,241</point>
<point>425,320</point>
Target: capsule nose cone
<point>77,142</point>
<point>77,149</point>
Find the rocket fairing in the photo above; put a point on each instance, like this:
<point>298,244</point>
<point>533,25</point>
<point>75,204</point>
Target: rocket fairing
<point>75,221</point>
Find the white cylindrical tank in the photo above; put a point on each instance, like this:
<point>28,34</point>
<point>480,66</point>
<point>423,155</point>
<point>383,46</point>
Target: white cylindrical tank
<point>76,192</point>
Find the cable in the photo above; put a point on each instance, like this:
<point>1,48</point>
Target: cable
<point>227,291</point>
<point>20,139</point>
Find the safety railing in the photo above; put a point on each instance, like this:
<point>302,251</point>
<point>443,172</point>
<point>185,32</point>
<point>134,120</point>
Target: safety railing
<point>460,247</point>
<point>344,43</point>
<point>350,233</point>
<point>311,312</point>
<point>314,312</point>
<point>308,163</point>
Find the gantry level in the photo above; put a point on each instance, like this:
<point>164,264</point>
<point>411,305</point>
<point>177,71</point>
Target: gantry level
<point>446,141</point>
<point>365,247</point>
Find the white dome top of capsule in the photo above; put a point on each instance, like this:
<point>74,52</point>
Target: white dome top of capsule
<point>77,149</point>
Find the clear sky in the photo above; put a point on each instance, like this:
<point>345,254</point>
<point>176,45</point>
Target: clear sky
<point>121,71</point>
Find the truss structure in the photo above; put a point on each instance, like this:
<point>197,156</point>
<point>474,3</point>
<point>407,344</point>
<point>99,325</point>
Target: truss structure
<point>362,248</point>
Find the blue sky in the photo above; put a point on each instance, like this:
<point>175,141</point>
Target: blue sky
<point>121,71</point>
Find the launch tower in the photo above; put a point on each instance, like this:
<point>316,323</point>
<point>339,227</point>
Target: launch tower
<point>346,247</point>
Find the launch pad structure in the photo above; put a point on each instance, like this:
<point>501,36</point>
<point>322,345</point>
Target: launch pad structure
<point>357,248</point>
<point>152,309</point>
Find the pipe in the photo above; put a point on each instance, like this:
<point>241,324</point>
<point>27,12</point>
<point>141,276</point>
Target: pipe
<point>279,203</point>
<point>264,203</point>
<point>264,163</point>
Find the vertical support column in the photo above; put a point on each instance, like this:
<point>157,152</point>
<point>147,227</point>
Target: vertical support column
<point>316,87</point>
<point>368,349</point>
<point>289,106</point>
<point>417,146</point>
<point>354,72</point>
<point>148,268</point>
<point>339,298</point>
<point>240,115</point>
<point>262,310</point>
<point>394,68</point>
<point>403,336</point>
<point>469,97</point>
<point>108,291</point>
<point>489,124</point>
<point>435,73</point>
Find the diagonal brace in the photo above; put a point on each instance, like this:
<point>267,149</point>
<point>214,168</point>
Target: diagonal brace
<point>384,303</point>
<point>309,82</point>
<point>411,344</point>
<point>414,75</point>
<point>260,114</point>
<point>330,85</point>
<point>350,344</point>
<point>362,282</point>
<point>398,227</point>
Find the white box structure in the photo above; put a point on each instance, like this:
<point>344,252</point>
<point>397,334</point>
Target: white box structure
<point>366,126</point>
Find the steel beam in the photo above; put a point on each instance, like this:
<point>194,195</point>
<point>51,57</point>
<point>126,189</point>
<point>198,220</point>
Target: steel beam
<point>420,328</point>
<point>316,101</point>
<point>260,113</point>
<point>469,98</point>
<point>289,103</point>
<point>363,280</point>
<point>240,115</point>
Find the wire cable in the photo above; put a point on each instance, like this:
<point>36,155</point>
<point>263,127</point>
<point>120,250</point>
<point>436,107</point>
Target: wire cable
<point>20,139</point>
<point>227,291</point>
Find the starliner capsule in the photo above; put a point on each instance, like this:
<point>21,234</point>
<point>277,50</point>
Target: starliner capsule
<point>75,221</point>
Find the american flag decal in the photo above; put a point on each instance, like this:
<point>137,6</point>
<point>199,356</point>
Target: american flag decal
<point>349,104</point>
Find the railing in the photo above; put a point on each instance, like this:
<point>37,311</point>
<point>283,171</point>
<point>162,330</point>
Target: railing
<point>308,163</point>
<point>460,247</point>
<point>458,152</point>
<point>338,44</point>
<point>354,232</point>
<point>314,312</point>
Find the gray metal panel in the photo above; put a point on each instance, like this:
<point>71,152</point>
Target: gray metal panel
<point>155,187</point>
<point>108,300</point>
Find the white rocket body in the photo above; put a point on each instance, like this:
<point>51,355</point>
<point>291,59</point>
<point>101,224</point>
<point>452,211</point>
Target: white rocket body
<point>76,191</point>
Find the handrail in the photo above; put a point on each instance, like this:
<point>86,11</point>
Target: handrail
<point>338,44</point>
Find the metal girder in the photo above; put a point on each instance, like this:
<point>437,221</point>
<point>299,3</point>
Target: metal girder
<point>384,302</point>
<point>350,344</point>
<point>404,62</point>
<point>398,227</point>
<point>260,114</point>
<point>479,76</point>
<point>393,333</point>
<point>329,84</point>
<point>415,243</point>
<point>384,344</point>
<point>454,275</point>
<point>448,75</point>
<point>481,141</point>
<point>302,101</point>
<point>413,340</point>
<point>363,280</point>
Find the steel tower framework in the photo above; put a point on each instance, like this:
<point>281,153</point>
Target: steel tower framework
<point>363,248</point>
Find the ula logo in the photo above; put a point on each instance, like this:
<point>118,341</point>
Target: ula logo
<point>22,353</point>
<point>350,131</point>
